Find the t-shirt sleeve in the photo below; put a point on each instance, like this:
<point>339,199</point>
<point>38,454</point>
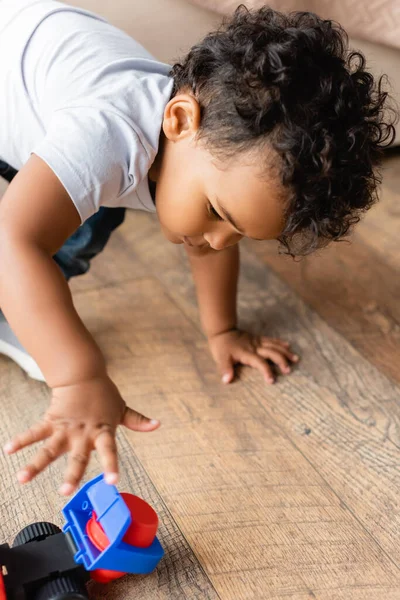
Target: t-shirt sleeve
<point>96,154</point>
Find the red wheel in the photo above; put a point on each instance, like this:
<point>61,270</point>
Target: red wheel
<point>103,576</point>
<point>99,539</point>
<point>2,588</point>
<point>143,529</point>
<point>141,532</point>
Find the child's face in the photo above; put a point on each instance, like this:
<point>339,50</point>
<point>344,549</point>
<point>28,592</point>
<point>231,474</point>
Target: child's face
<point>201,205</point>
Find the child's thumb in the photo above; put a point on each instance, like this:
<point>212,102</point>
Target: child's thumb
<point>138,422</point>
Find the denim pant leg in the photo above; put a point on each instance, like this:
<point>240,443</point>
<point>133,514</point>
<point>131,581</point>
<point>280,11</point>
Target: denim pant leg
<point>87,241</point>
<point>8,173</point>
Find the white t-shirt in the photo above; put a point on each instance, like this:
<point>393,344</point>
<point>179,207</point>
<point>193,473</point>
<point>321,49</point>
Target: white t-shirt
<point>83,96</point>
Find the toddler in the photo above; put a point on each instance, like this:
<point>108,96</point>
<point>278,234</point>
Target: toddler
<point>269,128</point>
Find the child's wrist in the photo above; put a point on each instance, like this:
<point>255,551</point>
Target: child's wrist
<point>93,366</point>
<point>215,334</point>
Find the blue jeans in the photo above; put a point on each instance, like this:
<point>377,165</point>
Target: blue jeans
<point>89,239</point>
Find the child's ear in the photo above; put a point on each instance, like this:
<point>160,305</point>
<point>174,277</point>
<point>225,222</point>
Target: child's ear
<point>181,117</point>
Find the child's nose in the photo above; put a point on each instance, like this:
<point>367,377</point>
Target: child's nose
<point>219,240</point>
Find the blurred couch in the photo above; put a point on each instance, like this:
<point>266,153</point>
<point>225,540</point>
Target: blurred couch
<point>168,28</point>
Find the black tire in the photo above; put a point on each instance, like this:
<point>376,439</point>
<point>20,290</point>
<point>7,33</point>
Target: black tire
<point>62,588</point>
<point>35,533</point>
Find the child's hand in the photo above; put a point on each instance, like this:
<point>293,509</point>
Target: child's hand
<point>233,347</point>
<point>81,417</point>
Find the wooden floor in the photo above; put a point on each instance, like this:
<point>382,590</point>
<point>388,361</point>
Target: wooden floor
<point>282,492</point>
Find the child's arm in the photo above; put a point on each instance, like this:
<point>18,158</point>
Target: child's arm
<point>36,217</point>
<point>216,276</point>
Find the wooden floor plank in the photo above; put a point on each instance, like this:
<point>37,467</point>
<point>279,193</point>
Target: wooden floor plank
<point>380,227</point>
<point>278,492</point>
<point>342,414</point>
<point>354,291</point>
<point>179,575</point>
<point>229,466</point>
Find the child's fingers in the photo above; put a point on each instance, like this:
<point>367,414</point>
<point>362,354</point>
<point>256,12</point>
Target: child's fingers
<point>77,462</point>
<point>281,349</point>
<point>106,447</point>
<point>277,357</point>
<point>252,360</point>
<point>48,453</point>
<point>36,433</point>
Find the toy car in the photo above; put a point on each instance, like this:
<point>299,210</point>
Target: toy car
<point>106,535</point>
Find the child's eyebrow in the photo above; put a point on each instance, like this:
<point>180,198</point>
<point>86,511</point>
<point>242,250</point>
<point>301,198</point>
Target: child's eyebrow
<point>229,218</point>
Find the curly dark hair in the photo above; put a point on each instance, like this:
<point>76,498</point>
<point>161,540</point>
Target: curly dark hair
<point>288,82</point>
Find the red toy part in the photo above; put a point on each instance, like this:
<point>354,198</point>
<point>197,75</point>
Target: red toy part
<point>2,588</point>
<point>141,533</point>
<point>99,539</point>
<point>103,576</point>
<point>143,529</point>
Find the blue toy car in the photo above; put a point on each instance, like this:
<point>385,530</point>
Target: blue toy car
<point>106,535</point>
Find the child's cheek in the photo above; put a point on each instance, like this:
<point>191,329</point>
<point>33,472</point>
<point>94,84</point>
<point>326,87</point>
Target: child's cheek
<point>181,218</point>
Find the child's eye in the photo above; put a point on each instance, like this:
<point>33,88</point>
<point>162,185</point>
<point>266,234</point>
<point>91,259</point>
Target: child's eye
<point>214,213</point>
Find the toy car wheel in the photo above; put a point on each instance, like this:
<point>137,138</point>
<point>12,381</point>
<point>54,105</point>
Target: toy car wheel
<point>62,588</point>
<point>35,533</point>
